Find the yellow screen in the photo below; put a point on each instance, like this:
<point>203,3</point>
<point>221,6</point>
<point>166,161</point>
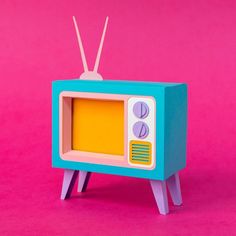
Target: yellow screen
<point>98,126</point>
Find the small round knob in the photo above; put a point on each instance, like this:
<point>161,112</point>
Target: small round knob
<point>140,130</point>
<point>141,110</point>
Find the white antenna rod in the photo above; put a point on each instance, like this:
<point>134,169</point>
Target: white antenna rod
<point>80,46</point>
<point>95,69</point>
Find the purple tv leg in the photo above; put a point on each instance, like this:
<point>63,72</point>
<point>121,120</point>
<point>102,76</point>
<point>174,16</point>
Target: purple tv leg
<point>173,185</point>
<point>159,189</point>
<point>84,177</point>
<point>160,194</point>
<point>69,179</point>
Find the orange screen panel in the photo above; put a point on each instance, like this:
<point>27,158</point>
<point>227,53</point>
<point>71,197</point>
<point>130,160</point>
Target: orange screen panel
<point>98,126</point>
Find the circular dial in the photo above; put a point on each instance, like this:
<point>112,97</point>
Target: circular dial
<point>141,110</point>
<point>140,130</point>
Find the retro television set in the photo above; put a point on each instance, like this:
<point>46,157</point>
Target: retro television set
<point>127,128</point>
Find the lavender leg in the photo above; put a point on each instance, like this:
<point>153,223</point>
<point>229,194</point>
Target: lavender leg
<point>160,194</point>
<point>68,183</point>
<point>84,177</point>
<point>173,185</point>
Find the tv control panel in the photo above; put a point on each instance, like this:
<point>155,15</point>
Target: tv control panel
<point>141,131</point>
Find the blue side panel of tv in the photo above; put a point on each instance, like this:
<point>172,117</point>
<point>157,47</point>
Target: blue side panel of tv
<point>175,129</point>
<point>171,120</point>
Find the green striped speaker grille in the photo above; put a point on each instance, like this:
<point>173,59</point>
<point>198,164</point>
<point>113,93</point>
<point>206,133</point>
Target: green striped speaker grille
<point>140,152</point>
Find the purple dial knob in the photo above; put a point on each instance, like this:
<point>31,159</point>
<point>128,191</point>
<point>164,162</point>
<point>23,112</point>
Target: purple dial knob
<point>140,130</point>
<point>141,110</point>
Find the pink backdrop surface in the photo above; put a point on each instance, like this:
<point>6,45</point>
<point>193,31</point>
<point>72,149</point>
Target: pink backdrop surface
<point>169,41</point>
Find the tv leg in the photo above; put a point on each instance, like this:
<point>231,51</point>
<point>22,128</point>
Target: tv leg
<point>173,185</point>
<point>69,179</point>
<point>84,177</point>
<point>160,194</point>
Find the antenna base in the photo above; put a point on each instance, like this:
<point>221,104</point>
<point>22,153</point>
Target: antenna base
<point>90,75</point>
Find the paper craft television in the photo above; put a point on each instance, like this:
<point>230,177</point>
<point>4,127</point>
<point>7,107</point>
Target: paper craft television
<point>124,128</point>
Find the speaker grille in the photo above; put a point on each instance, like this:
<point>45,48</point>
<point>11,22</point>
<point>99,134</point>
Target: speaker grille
<point>140,152</point>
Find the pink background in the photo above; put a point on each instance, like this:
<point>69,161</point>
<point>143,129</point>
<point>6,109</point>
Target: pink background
<point>173,41</point>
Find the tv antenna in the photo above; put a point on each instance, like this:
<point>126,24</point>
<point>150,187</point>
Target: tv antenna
<point>88,74</point>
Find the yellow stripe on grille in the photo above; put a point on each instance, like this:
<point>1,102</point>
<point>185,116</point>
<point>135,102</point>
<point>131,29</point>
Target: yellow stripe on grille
<point>140,152</point>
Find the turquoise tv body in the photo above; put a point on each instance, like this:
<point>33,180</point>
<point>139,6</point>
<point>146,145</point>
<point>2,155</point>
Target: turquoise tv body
<point>171,124</point>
